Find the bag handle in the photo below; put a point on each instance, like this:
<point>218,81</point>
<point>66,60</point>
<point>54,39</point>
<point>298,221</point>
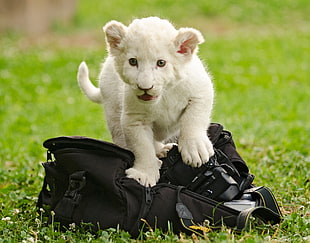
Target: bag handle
<point>265,214</point>
<point>268,211</point>
<point>267,198</point>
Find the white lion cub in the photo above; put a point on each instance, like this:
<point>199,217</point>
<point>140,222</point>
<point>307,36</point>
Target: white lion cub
<point>154,86</point>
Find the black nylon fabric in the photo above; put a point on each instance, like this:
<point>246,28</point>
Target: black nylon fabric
<point>201,208</point>
<point>85,182</point>
<point>108,199</point>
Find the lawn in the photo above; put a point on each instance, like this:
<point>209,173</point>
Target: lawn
<point>258,55</point>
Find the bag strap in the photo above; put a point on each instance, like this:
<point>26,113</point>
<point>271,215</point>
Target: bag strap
<point>268,213</point>
<point>186,217</point>
<point>44,197</point>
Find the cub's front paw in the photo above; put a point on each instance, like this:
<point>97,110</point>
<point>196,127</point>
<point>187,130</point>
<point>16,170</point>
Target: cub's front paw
<point>146,177</point>
<point>196,151</point>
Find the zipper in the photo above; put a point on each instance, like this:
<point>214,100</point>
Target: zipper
<point>148,199</point>
<point>148,196</point>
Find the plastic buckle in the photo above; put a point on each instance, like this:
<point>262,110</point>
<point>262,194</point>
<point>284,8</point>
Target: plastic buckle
<point>75,186</point>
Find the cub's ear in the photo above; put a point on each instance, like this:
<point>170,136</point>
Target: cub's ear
<point>187,41</point>
<point>115,33</point>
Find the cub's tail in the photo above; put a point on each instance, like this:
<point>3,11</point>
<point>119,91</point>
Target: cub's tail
<point>92,92</point>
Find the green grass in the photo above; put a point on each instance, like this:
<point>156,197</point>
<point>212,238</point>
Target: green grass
<point>258,54</point>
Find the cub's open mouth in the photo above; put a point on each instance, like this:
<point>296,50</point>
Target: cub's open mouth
<point>147,97</point>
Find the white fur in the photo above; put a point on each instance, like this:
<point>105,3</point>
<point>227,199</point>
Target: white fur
<point>175,99</point>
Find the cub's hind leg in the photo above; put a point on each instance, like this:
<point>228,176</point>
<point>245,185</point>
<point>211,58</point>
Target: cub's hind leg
<point>162,149</point>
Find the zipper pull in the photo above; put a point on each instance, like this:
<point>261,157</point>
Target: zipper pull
<point>148,195</point>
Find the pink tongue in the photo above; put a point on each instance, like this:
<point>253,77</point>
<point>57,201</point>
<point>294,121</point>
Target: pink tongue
<point>147,97</point>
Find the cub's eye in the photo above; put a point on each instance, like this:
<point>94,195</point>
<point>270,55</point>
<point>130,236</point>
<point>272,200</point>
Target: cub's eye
<point>161,63</point>
<point>133,62</point>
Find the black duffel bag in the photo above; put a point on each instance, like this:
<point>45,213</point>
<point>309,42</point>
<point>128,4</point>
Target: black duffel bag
<point>85,182</point>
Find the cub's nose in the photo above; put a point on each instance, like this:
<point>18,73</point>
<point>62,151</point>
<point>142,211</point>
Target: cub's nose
<point>145,89</point>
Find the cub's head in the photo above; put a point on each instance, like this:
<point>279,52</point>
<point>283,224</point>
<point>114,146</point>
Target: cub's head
<point>150,53</point>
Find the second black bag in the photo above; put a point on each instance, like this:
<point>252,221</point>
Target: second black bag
<point>224,177</point>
